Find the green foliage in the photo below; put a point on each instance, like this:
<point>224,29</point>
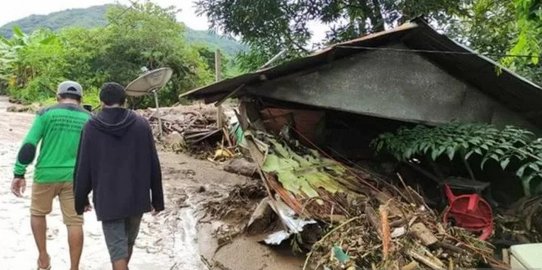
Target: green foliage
<point>149,36</point>
<point>528,41</point>
<point>472,29</point>
<point>31,63</point>
<point>270,26</point>
<point>91,98</point>
<point>145,35</point>
<point>303,174</point>
<point>491,28</point>
<point>529,21</point>
<point>494,28</point>
<point>213,41</point>
<point>464,141</point>
<point>228,64</point>
<point>95,17</point>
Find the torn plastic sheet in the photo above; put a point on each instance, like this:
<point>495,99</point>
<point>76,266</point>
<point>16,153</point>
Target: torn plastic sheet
<point>234,128</point>
<point>277,237</point>
<point>289,219</point>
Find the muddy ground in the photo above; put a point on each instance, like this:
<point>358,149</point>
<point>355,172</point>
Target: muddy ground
<point>182,237</point>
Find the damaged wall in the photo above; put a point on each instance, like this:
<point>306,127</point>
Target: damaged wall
<point>390,84</point>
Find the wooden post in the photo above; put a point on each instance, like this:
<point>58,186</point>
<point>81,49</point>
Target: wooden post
<point>155,93</point>
<point>218,77</point>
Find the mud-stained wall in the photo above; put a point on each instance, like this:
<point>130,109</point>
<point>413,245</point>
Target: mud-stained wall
<point>396,85</point>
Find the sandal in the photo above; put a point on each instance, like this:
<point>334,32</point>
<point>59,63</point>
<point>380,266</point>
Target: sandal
<point>46,268</point>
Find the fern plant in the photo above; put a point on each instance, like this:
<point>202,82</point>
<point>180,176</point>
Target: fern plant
<point>464,141</point>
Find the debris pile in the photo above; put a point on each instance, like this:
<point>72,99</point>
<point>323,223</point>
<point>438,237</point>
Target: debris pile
<point>239,199</point>
<point>521,223</point>
<point>23,108</point>
<point>192,128</point>
<point>369,222</point>
<point>385,240</point>
<point>234,210</point>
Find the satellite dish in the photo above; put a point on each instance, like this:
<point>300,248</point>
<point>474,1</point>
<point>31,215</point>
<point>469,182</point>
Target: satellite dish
<point>150,83</point>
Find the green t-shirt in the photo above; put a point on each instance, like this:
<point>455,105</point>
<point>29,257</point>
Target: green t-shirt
<point>58,128</point>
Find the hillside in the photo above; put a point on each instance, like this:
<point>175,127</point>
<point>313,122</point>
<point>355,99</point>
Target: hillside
<point>87,18</point>
<point>95,17</point>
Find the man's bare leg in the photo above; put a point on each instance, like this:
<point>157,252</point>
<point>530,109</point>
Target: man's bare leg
<point>130,250</point>
<point>39,230</point>
<point>132,226</point>
<point>121,264</point>
<point>75,240</point>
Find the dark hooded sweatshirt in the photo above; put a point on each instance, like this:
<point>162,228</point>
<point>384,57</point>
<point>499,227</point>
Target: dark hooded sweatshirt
<point>117,161</point>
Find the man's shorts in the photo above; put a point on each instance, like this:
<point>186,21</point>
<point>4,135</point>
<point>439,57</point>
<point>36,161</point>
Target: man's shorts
<point>120,236</point>
<point>42,201</point>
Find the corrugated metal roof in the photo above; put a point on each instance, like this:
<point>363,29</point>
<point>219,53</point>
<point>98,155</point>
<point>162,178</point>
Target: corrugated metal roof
<point>512,90</point>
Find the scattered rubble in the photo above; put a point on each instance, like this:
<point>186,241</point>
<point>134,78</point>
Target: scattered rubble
<point>175,141</point>
<point>234,211</point>
<point>344,217</point>
<point>521,222</point>
<point>23,108</point>
<point>369,222</point>
<point>239,204</point>
<point>190,128</point>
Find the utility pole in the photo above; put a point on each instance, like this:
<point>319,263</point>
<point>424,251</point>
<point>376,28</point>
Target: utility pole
<point>218,77</point>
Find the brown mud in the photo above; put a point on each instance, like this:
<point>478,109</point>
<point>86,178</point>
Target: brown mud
<point>184,236</point>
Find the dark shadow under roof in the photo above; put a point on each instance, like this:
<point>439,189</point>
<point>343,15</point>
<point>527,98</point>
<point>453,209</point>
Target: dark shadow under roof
<point>511,90</point>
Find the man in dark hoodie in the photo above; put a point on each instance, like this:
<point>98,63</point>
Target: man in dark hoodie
<point>117,161</point>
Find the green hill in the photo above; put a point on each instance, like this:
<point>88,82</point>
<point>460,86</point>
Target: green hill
<point>87,17</point>
<point>95,17</point>
<point>214,41</point>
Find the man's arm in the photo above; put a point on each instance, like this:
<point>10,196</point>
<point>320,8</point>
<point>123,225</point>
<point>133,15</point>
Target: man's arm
<point>82,181</point>
<point>156,177</point>
<point>27,153</point>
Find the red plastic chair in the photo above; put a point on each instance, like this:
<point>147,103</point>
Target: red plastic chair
<point>469,211</point>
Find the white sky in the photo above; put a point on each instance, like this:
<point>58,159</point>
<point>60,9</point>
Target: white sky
<point>11,10</point>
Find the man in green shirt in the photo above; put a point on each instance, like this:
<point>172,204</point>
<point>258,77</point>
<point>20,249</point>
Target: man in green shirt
<point>58,129</point>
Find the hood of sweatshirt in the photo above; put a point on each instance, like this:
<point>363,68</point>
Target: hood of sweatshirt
<point>114,121</point>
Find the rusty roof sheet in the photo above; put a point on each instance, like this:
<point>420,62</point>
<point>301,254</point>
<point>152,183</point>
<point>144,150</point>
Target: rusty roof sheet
<point>512,90</point>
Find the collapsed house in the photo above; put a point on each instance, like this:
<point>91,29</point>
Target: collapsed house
<point>309,123</point>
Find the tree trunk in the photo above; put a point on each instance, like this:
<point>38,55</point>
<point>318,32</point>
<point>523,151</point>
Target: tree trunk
<point>377,19</point>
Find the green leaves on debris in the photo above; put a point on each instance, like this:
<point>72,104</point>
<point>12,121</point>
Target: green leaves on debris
<point>511,147</point>
<point>303,175</point>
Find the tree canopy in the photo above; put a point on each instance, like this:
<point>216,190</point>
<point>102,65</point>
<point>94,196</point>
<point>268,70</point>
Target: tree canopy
<point>529,22</point>
<point>96,16</point>
<point>495,28</point>
<point>144,35</point>
<point>118,44</point>
<point>270,26</point>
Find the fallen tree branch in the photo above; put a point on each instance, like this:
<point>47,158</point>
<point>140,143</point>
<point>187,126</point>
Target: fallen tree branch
<point>386,238</point>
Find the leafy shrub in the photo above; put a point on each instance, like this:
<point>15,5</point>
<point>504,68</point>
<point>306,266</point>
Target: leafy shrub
<point>465,140</point>
<point>146,35</point>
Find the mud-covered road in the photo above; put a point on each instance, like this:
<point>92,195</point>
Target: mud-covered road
<point>172,240</point>
<point>18,250</point>
<point>168,241</point>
